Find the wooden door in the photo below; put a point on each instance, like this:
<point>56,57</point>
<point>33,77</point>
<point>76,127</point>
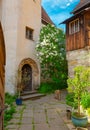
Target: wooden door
<point>2,76</point>
<point>27,77</point>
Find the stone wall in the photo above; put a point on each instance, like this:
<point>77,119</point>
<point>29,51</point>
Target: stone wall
<point>78,57</point>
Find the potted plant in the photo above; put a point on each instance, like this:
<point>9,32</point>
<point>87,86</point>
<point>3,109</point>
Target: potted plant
<point>18,99</point>
<point>78,85</point>
<point>20,87</point>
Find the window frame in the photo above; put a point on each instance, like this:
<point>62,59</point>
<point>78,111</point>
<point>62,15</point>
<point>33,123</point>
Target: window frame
<point>74,26</point>
<point>29,33</point>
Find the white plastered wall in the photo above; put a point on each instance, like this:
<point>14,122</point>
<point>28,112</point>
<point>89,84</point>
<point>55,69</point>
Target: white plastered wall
<point>16,15</point>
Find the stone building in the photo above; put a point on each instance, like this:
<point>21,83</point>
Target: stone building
<point>21,22</point>
<point>78,36</point>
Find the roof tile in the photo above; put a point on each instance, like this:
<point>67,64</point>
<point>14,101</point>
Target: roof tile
<point>45,18</point>
<point>81,4</point>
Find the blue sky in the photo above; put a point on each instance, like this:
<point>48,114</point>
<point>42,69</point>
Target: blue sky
<point>59,10</point>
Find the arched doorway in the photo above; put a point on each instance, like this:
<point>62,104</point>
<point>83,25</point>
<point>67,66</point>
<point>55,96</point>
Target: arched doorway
<point>28,67</point>
<point>27,77</point>
<point>2,76</point>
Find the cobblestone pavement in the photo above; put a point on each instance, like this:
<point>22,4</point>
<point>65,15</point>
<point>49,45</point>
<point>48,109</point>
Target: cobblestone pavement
<point>45,113</point>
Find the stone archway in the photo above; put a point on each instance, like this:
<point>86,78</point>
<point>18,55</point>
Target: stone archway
<point>29,67</point>
<point>2,75</point>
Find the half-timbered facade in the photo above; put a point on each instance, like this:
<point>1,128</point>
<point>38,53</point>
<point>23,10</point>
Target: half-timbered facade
<point>78,36</point>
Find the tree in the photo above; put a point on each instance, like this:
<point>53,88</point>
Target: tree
<point>52,55</point>
<point>79,84</point>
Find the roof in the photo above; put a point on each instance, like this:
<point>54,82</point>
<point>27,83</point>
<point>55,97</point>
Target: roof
<point>69,19</point>
<point>45,18</point>
<point>82,5</point>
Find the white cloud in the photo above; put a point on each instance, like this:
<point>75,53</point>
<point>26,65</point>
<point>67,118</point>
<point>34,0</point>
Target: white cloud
<point>54,3</point>
<point>71,0</point>
<point>60,17</point>
<point>68,4</point>
<point>58,9</point>
<point>58,3</point>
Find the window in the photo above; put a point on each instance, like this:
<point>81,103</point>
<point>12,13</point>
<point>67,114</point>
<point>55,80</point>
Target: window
<point>29,33</point>
<point>74,26</point>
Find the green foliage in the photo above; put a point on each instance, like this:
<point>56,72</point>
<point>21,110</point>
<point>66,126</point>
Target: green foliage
<point>46,88</point>
<point>79,83</point>
<point>9,113</point>
<point>49,87</point>
<point>70,100</point>
<point>85,100</point>
<point>88,111</point>
<point>9,101</point>
<point>52,54</point>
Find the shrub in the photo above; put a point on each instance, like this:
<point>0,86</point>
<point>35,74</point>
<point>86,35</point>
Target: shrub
<point>9,100</point>
<point>79,84</point>
<point>47,88</point>
<point>50,87</point>
<point>52,55</point>
<point>85,101</point>
<point>70,100</point>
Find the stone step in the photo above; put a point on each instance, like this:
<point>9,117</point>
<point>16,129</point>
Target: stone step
<point>28,92</point>
<point>32,96</point>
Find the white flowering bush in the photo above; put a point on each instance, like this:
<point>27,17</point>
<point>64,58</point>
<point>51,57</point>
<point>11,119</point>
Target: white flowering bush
<point>52,55</point>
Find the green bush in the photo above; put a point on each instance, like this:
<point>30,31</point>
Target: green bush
<point>85,101</point>
<point>9,101</point>
<point>46,88</point>
<point>70,100</point>
<point>52,56</point>
<point>50,87</point>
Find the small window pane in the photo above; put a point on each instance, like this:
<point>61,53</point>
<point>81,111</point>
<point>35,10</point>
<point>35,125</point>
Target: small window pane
<point>74,26</point>
<point>29,33</point>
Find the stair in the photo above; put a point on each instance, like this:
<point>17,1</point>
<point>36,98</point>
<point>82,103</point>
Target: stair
<point>31,95</point>
<point>28,93</point>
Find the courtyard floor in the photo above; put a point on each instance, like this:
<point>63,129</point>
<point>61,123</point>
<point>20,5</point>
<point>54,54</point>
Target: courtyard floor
<point>45,113</point>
